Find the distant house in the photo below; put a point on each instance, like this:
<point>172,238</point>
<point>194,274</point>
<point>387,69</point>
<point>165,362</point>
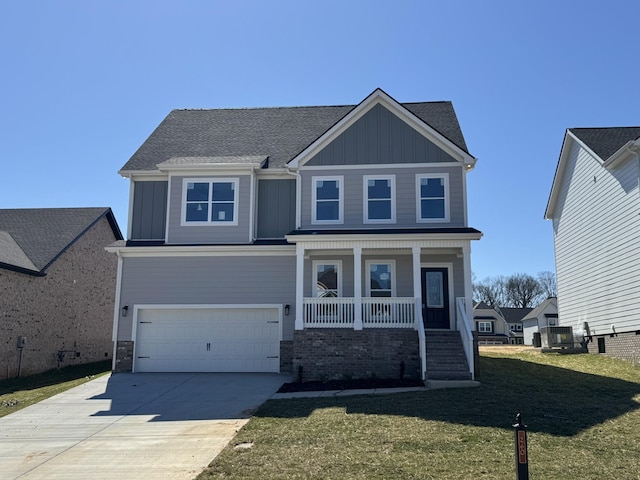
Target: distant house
<point>513,317</point>
<point>595,209</point>
<point>544,315</point>
<point>491,325</point>
<point>57,287</point>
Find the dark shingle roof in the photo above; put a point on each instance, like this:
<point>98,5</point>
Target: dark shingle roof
<point>514,315</point>
<point>606,141</point>
<point>280,133</point>
<point>32,239</point>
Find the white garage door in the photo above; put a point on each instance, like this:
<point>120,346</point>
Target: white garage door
<point>207,340</point>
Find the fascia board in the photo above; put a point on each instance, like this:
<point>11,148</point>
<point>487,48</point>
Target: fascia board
<point>380,97</point>
<point>558,176</point>
<point>401,237</point>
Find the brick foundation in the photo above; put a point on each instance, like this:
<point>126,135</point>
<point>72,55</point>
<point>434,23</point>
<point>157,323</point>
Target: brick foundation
<point>286,356</point>
<point>326,354</point>
<point>124,356</point>
<point>620,345</point>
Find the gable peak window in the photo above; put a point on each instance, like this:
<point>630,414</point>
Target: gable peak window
<point>379,198</point>
<point>210,201</point>
<point>432,196</point>
<point>327,201</point>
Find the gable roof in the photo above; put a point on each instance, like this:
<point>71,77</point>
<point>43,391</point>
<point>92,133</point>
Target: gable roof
<point>279,133</point>
<point>608,144</point>
<point>550,302</point>
<point>604,142</point>
<point>514,315</point>
<point>32,239</point>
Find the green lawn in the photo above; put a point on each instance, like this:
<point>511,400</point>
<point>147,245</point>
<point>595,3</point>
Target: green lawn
<point>583,414</point>
<point>17,393</point>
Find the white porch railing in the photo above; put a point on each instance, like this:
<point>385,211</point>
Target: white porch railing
<point>328,312</point>
<point>388,312</point>
<point>464,327</point>
<point>377,312</point>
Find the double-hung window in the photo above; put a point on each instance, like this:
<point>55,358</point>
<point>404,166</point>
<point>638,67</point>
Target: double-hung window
<point>327,201</point>
<point>432,198</point>
<point>485,327</point>
<point>379,198</point>
<point>210,201</point>
<point>326,278</point>
<point>381,281</point>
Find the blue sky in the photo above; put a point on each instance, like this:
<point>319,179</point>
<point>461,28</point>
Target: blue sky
<point>84,84</point>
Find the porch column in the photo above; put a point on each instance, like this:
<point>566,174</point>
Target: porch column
<point>417,287</point>
<point>468,285</point>
<point>299,323</point>
<point>357,288</point>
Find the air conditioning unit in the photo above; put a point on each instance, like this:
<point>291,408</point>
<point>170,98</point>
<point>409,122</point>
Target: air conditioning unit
<point>556,337</point>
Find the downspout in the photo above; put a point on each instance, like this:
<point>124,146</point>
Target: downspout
<point>116,311</point>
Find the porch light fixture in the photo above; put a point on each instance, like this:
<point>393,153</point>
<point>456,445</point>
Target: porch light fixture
<point>125,310</point>
<point>286,309</point>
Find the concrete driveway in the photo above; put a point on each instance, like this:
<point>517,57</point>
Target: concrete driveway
<point>132,426</point>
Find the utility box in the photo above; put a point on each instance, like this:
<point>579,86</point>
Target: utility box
<point>556,337</point>
<point>22,342</point>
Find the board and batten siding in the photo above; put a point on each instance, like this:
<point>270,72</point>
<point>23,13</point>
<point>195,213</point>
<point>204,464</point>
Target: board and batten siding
<point>276,207</point>
<point>379,137</point>
<point>149,216</point>
<point>596,230</point>
<point>405,196</point>
<point>209,234</point>
<point>208,280</point>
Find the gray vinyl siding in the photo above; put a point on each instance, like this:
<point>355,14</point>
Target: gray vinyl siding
<point>276,208</point>
<point>405,197</point>
<point>208,280</point>
<point>380,137</point>
<point>209,234</point>
<point>403,274</point>
<point>596,229</point>
<point>149,216</point>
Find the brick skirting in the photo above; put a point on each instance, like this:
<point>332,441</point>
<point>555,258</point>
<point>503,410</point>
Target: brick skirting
<point>326,354</point>
<point>619,345</point>
<point>124,356</point>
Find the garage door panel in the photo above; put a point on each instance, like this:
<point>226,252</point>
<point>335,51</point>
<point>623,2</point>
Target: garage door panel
<point>208,340</point>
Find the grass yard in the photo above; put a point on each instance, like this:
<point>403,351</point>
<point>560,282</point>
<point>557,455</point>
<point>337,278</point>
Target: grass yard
<point>583,414</point>
<point>17,393</point>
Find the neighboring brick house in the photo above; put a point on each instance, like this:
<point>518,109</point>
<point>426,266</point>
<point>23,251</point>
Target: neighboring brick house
<point>57,288</point>
<point>324,241</point>
<point>594,206</point>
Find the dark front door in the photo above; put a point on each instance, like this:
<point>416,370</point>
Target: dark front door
<point>435,297</point>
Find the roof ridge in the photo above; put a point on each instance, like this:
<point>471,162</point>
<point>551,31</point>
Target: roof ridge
<point>285,107</point>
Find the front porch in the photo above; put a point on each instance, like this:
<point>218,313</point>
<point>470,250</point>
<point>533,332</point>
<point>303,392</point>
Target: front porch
<point>364,307</point>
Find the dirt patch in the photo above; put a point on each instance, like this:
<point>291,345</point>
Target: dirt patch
<point>508,349</point>
<point>352,384</point>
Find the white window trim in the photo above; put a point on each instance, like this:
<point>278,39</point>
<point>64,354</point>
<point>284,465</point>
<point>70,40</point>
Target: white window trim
<point>210,180</point>
<point>340,220</point>
<point>445,177</point>
<point>490,323</point>
<point>365,198</point>
<point>367,266</point>
<point>314,279</point>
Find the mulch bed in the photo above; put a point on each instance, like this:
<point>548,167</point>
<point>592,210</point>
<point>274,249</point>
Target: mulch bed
<point>352,384</point>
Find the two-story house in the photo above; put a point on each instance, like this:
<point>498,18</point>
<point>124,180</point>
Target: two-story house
<point>594,205</point>
<point>321,241</point>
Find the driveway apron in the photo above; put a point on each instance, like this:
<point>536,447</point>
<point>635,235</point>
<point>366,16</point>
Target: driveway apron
<point>132,426</point>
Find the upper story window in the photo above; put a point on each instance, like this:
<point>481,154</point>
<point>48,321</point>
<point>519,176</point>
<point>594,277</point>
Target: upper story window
<point>210,201</point>
<point>485,327</point>
<point>327,201</point>
<point>432,197</point>
<point>379,198</point>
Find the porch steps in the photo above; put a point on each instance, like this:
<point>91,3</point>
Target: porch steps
<point>445,356</point>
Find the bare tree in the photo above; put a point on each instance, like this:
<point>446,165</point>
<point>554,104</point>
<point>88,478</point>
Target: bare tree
<point>491,290</point>
<point>547,281</point>
<point>523,291</point>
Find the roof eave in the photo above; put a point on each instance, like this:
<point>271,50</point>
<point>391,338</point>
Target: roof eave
<point>630,148</point>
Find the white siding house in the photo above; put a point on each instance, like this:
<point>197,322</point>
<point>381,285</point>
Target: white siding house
<point>595,209</point>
